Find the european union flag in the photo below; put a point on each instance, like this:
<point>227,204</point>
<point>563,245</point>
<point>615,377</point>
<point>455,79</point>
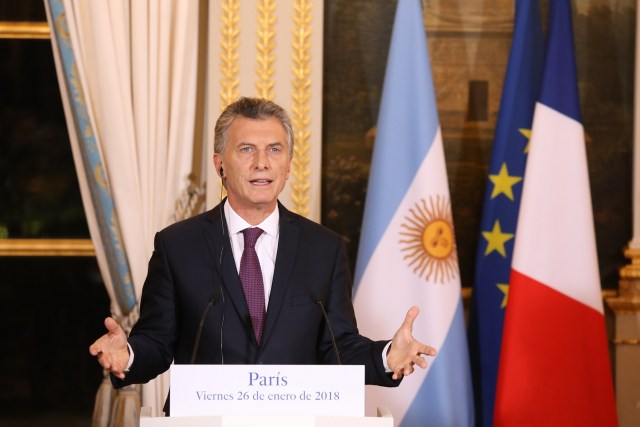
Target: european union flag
<point>501,204</point>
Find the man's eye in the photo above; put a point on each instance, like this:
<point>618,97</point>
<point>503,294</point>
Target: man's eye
<point>275,149</point>
<point>245,149</point>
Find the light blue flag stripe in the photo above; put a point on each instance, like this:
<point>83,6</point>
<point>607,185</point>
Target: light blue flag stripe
<point>407,114</point>
<point>448,376</point>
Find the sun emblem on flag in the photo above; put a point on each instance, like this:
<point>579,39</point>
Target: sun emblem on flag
<point>428,240</point>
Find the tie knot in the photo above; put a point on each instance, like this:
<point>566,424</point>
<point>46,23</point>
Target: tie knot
<point>251,236</point>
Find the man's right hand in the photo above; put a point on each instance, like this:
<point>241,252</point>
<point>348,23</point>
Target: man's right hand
<point>111,349</point>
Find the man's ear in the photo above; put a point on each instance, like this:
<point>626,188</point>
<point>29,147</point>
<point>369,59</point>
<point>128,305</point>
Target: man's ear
<point>217,164</point>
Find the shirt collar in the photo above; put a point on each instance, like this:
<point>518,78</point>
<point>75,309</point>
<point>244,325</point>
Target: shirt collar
<point>236,223</point>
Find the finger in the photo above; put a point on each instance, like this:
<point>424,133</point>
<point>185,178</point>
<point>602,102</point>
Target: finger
<point>104,361</point>
<point>422,349</point>
<point>95,348</point>
<point>431,351</point>
<point>412,313</point>
<point>408,370</point>
<point>111,366</point>
<point>117,370</point>
<point>398,373</point>
<point>428,350</point>
<point>112,326</point>
<point>420,362</point>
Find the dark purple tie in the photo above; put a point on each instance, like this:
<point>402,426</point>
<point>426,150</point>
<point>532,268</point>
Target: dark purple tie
<point>251,278</point>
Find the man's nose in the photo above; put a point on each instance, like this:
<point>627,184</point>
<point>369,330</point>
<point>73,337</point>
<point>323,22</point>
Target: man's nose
<point>262,159</point>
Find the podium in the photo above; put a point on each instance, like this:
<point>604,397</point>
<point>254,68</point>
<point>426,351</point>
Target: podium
<point>384,419</point>
<point>267,396</point>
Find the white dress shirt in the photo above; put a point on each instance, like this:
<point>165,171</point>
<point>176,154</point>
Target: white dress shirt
<point>266,245</point>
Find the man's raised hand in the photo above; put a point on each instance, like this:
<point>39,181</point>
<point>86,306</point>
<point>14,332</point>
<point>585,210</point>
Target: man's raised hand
<point>405,351</point>
<point>111,349</point>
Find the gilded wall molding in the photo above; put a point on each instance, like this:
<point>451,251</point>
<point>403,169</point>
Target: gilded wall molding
<point>300,171</point>
<point>47,247</point>
<point>229,55</point>
<point>39,247</point>
<point>265,47</point>
<point>24,30</point>
<point>631,271</point>
<point>622,341</point>
<point>623,306</point>
<point>628,299</point>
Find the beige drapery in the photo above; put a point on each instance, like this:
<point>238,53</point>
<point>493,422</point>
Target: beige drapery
<point>135,67</point>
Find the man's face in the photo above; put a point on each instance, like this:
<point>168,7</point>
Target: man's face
<point>256,163</point>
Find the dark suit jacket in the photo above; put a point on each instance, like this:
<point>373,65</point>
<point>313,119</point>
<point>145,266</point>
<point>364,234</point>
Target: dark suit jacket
<point>192,260</point>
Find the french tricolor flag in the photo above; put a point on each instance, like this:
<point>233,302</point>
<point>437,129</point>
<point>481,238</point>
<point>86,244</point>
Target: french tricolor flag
<point>554,364</point>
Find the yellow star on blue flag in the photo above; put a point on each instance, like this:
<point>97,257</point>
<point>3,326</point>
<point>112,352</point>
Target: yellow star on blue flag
<point>503,183</point>
<point>496,239</point>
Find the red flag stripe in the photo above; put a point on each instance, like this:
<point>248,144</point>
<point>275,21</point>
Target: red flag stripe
<point>568,339</point>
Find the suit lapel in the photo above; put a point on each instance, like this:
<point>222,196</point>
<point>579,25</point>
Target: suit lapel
<point>218,238</point>
<point>218,241</point>
<point>285,261</point>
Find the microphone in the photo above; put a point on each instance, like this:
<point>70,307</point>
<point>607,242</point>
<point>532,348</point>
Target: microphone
<point>316,298</point>
<point>213,299</point>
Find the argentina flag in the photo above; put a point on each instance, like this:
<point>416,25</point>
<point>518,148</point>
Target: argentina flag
<point>407,254</point>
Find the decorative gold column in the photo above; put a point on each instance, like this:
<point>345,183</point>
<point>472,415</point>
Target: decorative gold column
<point>265,47</point>
<point>626,306</point>
<point>626,309</point>
<point>628,299</point>
<point>229,52</point>
<point>301,107</point>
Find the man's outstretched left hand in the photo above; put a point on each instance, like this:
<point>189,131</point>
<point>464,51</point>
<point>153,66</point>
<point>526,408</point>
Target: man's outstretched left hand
<point>405,351</point>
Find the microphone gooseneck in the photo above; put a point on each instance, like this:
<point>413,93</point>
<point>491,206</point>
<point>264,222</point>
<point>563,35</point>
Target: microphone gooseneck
<point>213,299</point>
<point>221,328</point>
<point>316,298</point>
<point>223,221</point>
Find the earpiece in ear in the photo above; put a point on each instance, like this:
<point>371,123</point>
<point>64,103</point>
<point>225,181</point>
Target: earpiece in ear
<point>221,172</point>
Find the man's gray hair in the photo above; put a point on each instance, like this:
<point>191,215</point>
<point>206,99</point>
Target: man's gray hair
<point>250,108</point>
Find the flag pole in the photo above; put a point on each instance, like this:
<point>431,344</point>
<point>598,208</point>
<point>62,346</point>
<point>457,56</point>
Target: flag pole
<point>635,240</point>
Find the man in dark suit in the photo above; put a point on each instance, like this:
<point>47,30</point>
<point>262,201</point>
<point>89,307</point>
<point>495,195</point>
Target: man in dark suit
<point>302,271</point>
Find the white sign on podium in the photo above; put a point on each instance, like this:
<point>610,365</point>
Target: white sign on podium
<point>247,390</point>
